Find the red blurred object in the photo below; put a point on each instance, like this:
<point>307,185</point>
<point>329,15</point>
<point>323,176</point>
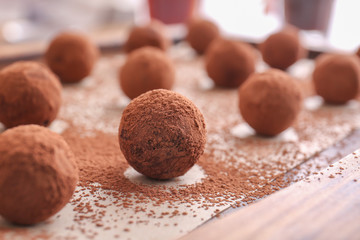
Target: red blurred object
<point>309,14</point>
<point>171,11</point>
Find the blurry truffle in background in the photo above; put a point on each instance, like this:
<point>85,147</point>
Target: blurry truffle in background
<point>229,63</point>
<point>270,101</point>
<point>29,94</point>
<point>282,49</point>
<point>337,77</point>
<point>145,69</point>
<point>358,52</point>
<point>201,33</point>
<point>71,56</point>
<point>152,34</point>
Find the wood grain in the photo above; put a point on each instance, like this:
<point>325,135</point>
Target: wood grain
<point>323,206</point>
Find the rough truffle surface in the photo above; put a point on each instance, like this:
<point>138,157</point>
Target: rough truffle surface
<point>229,63</point>
<point>38,174</point>
<point>152,34</point>
<point>162,134</point>
<point>270,102</point>
<point>282,49</point>
<point>71,56</point>
<point>337,77</point>
<point>29,94</point>
<point>145,69</point>
<point>201,33</point>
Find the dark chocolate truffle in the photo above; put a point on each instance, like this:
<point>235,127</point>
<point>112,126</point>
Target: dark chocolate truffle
<point>145,69</point>
<point>71,56</point>
<point>270,102</point>
<point>162,134</point>
<point>152,34</point>
<point>38,174</point>
<point>29,94</point>
<point>282,49</point>
<point>337,77</point>
<point>229,63</point>
<point>201,33</point>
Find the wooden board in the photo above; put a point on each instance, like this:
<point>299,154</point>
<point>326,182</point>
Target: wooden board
<point>323,206</point>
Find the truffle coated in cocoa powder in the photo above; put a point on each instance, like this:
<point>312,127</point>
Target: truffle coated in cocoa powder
<point>29,94</point>
<point>336,77</point>
<point>270,102</point>
<point>71,56</point>
<point>38,174</point>
<point>152,34</point>
<point>162,134</point>
<point>201,33</point>
<point>145,69</point>
<point>282,49</point>
<point>229,63</point>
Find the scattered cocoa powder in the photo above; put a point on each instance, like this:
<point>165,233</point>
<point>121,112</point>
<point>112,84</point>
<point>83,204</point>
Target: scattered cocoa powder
<point>238,171</point>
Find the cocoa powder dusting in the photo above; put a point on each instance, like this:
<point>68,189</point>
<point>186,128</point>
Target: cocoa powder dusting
<point>113,201</point>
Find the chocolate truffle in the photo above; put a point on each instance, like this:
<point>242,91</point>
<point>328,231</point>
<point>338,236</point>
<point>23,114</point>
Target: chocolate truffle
<point>229,63</point>
<point>336,77</point>
<point>145,69</point>
<point>29,94</point>
<point>162,134</point>
<point>282,49</point>
<point>71,56</point>
<point>200,34</point>
<point>38,174</point>
<point>152,34</point>
<point>270,102</point>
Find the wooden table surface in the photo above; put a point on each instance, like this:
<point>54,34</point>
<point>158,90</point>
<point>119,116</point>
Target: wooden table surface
<point>322,206</point>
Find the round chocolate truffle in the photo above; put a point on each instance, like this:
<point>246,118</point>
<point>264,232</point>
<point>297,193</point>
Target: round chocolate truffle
<point>201,33</point>
<point>38,174</point>
<point>162,134</point>
<point>337,77</point>
<point>282,49</point>
<point>152,34</point>
<point>270,102</point>
<point>229,63</point>
<point>71,56</point>
<point>29,94</point>
<point>145,69</point>
<point>358,52</point>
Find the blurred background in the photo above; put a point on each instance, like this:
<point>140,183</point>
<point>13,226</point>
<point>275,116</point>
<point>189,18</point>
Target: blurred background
<point>324,23</point>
